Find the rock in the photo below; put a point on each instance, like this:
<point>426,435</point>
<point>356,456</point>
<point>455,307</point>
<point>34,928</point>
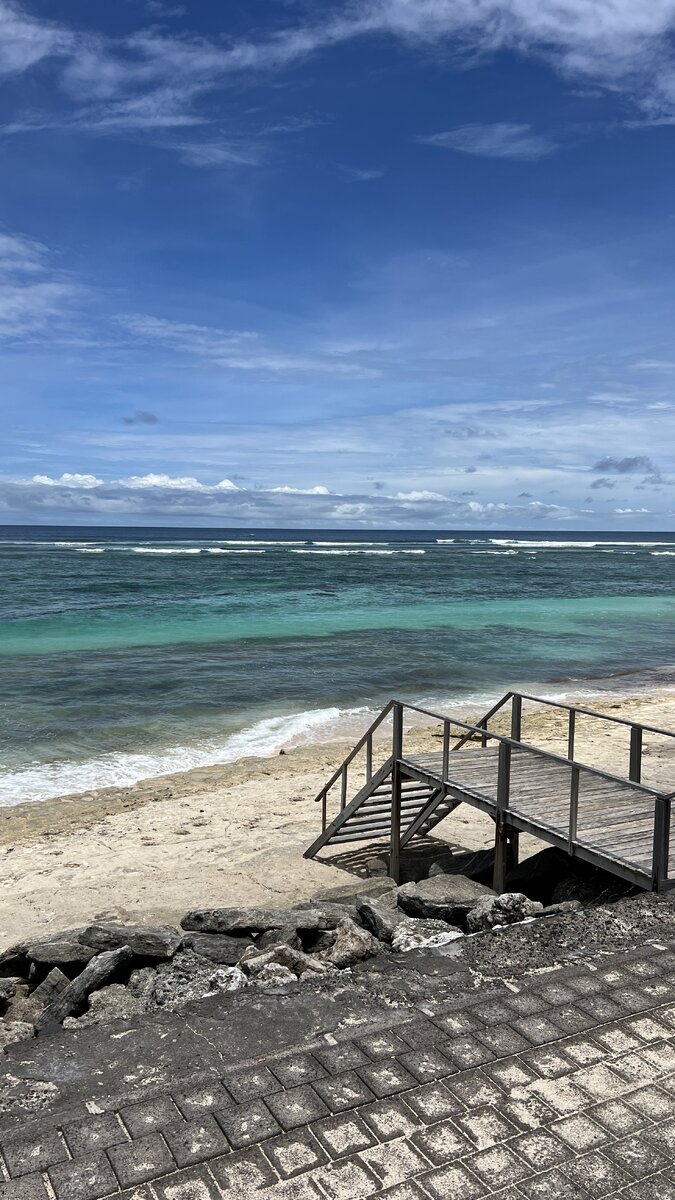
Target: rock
<point>272,937</point>
<point>185,977</point>
<point>254,960</point>
<point>376,866</point>
<point>478,865</point>
<point>7,990</point>
<point>411,934</point>
<point>228,979</point>
<point>564,908</point>
<point>145,941</point>
<point>98,971</point>
<point>15,1031</point>
<point>112,1003</point>
<point>502,910</point>
<point>59,951</point>
<point>218,947</point>
<point>347,892</point>
<point>330,913</point>
<point>380,915</point>
<point>351,945</point>
<point>538,875</point>
<point>52,986</point>
<point>275,975</point>
<point>443,897</point>
<point>142,983</point>
<point>13,961</point>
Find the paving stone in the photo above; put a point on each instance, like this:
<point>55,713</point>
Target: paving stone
<point>561,1095</point>
<point>596,1174</point>
<point>344,1056</point>
<point>541,1150</point>
<point>557,993</point>
<point>661,1055</point>
<point>193,1184</point>
<point>553,1185</point>
<point>140,1161</point>
<point>88,1179</point>
<point>298,1106</point>
<point>242,1173</point>
<point>497,1164</point>
<point>599,1081</point>
<point>30,1187</point>
<point>457,1023</point>
<point>617,1117</point>
<point>635,1000</point>
<point>300,1188</point>
<point>645,966</point>
<point>420,1034</point>
<point>433,1102</point>
<point>453,1182</point>
<point>345,1135</point>
<point>528,1114</point>
<point>467,1052</point>
<point>657,1188</point>
<point>601,1008</point>
<point>652,1102</point>
<point>634,1069</point>
<point>662,1134</point>
<point>496,1012</point>
<point>341,1092</point>
<point>647,1029</point>
<point>638,1157</point>
<point>387,1078</point>
<point>382,1044</point>
<point>297,1068</point>
<point>584,1051</point>
<point>347,1179</point>
<point>24,1156</point>
<point>527,1003</point>
<point>197,1102</point>
<point>247,1124</point>
<point>151,1116</point>
<point>580,1133</point>
<point>549,1063</point>
<point>136,1193</point>
<point>93,1134</point>
<point>394,1162</point>
<point>441,1143</point>
<point>196,1141</point>
<point>586,985</point>
<point>474,1089</point>
<point>250,1085</point>
<point>404,1191</point>
<point>484,1127</point>
<point>426,1065</point>
<point>667,1014</point>
<point>394,1118</point>
<point>503,1040</point>
<point>509,1073</point>
<point>294,1153</point>
<point>572,1019</point>
<point>616,1039</point>
<point>537,1030</point>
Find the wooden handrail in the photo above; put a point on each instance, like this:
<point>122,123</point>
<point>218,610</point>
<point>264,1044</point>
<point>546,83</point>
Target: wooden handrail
<point>482,724</point>
<point>352,754</point>
<point>590,712</point>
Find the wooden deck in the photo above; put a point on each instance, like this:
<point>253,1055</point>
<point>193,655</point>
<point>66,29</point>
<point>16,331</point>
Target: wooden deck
<point>612,822</point>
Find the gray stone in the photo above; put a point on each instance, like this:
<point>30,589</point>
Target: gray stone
<point>275,975</point>
<point>13,960</point>
<point>218,947</point>
<point>7,990</point>
<point>98,971</point>
<point>380,915</point>
<point>59,951</point>
<point>564,909</point>
<point>52,985</point>
<point>253,961</point>
<point>443,897</point>
<point>144,940</point>
<point>502,910</point>
<point>412,934</point>
<point>229,979</point>
<point>272,937</point>
<point>347,892</point>
<point>351,945</point>
<point>186,977</point>
<point>112,1003</point>
<point>14,1031</point>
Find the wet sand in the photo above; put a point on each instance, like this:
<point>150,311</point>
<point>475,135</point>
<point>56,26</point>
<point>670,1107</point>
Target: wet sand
<point>235,834</point>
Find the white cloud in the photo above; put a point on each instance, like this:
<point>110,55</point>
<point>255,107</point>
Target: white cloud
<point>33,294</point>
<point>25,41</point>
<point>182,483</point>
<point>319,490</point>
<point>418,496</point>
<point>500,140</point>
<point>69,480</point>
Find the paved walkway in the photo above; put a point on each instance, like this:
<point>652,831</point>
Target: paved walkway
<point>563,1088</point>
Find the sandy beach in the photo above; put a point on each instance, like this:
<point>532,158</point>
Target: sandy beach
<point>235,834</point>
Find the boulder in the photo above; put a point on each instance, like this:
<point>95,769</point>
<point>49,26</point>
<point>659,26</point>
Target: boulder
<point>411,934</point>
<point>98,971</point>
<point>443,897</point>
<point>564,909</point>
<point>228,979</point>
<point>7,989</point>
<point>258,920</point>
<point>15,1031</point>
<point>380,915</point>
<point>145,941</point>
<point>112,1003</point>
<point>185,977</point>
<point>26,1007</point>
<point>538,875</point>
<point>275,975</point>
<point>351,945</point>
<point>60,951</point>
<point>254,960</point>
<point>13,961</point>
<point>346,893</point>
<point>478,865</point>
<point>272,937</point>
<point>506,909</point>
<point>218,947</point>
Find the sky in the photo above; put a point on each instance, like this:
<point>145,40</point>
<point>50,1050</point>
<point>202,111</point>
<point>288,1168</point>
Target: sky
<point>378,263</point>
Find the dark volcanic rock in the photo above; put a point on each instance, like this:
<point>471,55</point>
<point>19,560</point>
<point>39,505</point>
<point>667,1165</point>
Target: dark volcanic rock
<point>259,920</point>
<point>14,1031</point>
<point>7,990</point>
<point>59,951</point>
<point>446,897</point>
<point>144,940</point>
<point>97,972</point>
<point>380,915</point>
<point>219,947</point>
<point>478,865</point>
<point>351,945</point>
<point>538,875</point>
<point>289,935</point>
<point>346,893</point>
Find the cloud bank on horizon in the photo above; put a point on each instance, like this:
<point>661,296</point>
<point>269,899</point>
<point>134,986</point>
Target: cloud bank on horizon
<point>379,262</point>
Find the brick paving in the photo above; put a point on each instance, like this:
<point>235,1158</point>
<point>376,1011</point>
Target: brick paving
<point>560,1088</point>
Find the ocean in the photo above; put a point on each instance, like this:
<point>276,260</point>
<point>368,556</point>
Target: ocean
<point>131,653</point>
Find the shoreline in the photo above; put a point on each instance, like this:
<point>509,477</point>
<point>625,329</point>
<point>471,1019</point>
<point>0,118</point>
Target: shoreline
<point>235,834</point>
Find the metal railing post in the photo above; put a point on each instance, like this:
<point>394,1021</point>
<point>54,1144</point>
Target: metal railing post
<point>397,754</point>
<point>635,764</point>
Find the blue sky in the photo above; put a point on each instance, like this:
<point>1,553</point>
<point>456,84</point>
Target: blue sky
<point>380,263</point>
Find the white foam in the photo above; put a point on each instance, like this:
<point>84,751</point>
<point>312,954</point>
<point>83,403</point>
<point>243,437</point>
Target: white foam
<point>261,740</point>
<point>166,549</point>
<point>90,550</point>
<point>363,552</point>
<point>219,550</point>
<point>662,554</point>
<point>445,541</point>
<point>571,545</point>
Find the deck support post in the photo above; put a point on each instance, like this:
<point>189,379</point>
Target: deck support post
<point>514,841</point>
<point>397,753</point>
<point>501,823</point>
<point>661,842</point>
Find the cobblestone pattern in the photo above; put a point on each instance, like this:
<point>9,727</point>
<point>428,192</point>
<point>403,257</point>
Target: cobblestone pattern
<point>563,1088</point>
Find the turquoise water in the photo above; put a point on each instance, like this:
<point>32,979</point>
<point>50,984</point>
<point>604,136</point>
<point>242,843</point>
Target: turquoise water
<point>129,653</point>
